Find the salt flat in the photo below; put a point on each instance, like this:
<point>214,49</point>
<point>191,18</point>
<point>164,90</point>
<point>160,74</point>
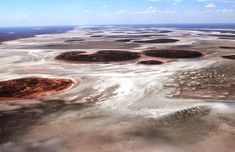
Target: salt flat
<point>184,102</point>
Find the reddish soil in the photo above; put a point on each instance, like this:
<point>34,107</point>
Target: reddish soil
<point>100,56</point>
<point>150,62</point>
<point>29,88</point>
<point>167,53</point>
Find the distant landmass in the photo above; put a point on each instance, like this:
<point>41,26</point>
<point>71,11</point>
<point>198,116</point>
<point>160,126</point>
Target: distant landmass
<point>13,33</point>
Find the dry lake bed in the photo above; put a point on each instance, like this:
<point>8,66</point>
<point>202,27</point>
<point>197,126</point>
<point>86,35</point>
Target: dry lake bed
<point>113,89</point>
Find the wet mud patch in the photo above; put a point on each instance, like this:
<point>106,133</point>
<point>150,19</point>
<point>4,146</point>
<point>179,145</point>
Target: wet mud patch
<point>30,88</point>
<point>150,62</point>
<point>167,53</point>
<point>100,56</point>
<point>158,41</point>
<point>214,82</point>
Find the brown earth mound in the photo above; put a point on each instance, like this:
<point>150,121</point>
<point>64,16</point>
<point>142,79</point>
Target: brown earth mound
<point>150,62</point>
<point>29,88</point>
<point>173,53</point>
<point>100,56</point>
<point>158,41</point>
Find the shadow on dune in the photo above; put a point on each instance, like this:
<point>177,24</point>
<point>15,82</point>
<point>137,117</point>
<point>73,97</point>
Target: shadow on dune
<point>16,122</point>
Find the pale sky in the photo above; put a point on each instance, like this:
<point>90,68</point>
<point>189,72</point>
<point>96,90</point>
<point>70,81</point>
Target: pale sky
<point>93,12</point>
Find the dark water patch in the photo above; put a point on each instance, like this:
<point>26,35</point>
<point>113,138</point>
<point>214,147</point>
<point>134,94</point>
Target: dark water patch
<point>227,47</point>
<point>227,31</point>
<point>124,40</point>
<point>165,31</point>
<point>96,36</point>
<point>220,31</point>
<point>150,62</point>
<point>117,32</point>
<point>100,56</point>
<point>158,41</point>
<point>232,57</point>
<point>167,53</point>
<point>222,35</point>
<point>28,88</point>
<point>226,38</point>
<point>74,40</point>
<point>96,32</point>
<point>133,36</point>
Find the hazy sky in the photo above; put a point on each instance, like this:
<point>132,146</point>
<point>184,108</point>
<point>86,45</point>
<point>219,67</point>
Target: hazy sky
<point>80,12</point>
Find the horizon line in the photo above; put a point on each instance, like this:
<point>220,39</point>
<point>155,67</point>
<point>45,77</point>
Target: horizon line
<point>114,24</point>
